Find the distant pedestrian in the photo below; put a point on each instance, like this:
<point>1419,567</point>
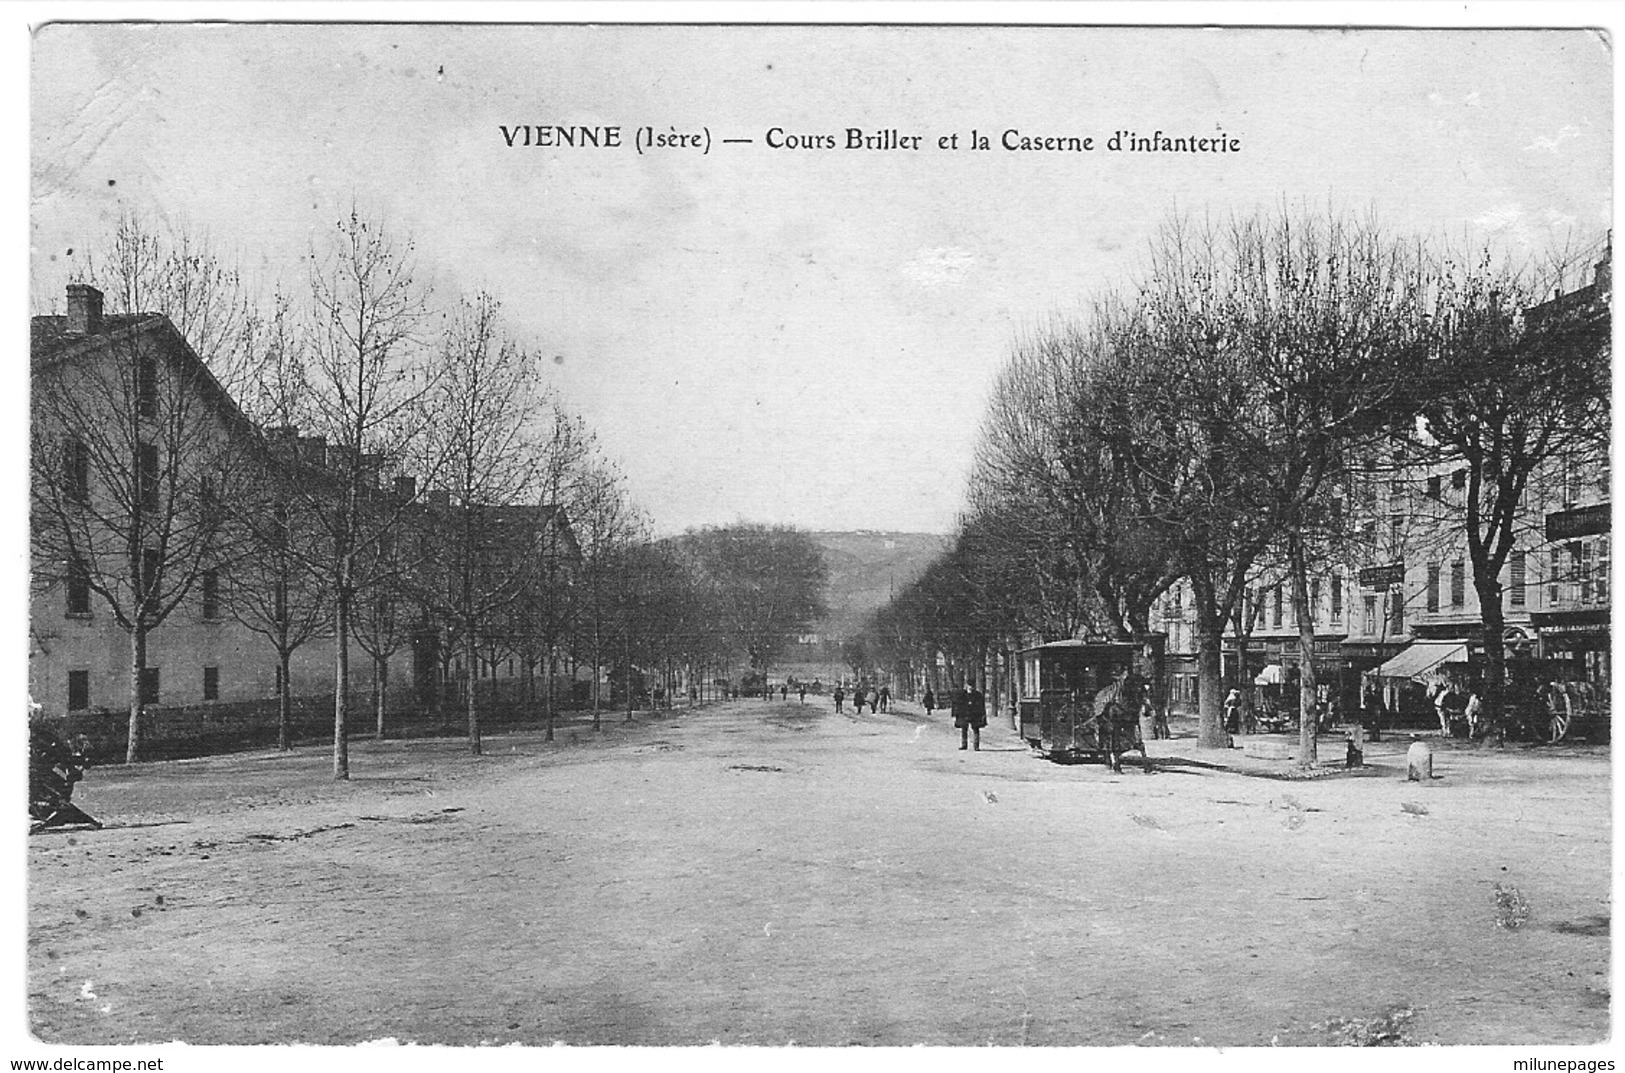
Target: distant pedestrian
<point>784,692</point>
<point>930,701</point>
<point>1232,714</point>
<point>801,690</point>
<point>840,695</point>
<point>857,698</point>
<point>885,698</point>
<point>970,716</point>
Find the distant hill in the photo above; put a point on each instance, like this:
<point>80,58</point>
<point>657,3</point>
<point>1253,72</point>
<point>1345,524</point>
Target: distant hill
<point>865,568</point>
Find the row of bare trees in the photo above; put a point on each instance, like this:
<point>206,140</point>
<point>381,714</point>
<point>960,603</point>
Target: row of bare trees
<point>358,462</point>
<point>1215,418</point>
<point>350,463</point>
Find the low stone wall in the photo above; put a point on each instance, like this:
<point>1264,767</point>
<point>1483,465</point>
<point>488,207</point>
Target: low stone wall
<point>172,733</point>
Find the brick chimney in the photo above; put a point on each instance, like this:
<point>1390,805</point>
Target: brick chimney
<point>84,309</point>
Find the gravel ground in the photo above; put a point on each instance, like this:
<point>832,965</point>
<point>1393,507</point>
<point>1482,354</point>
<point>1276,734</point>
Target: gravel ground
<point>766,873</point>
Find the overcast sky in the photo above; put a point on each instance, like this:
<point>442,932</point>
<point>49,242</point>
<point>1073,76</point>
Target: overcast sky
<point>783,335</point>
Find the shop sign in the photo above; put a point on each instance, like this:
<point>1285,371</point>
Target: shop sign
<point>1382,577</point>
<point>1580,522</point>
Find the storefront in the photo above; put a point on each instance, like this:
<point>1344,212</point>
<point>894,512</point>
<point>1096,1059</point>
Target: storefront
<point>1582,637</point>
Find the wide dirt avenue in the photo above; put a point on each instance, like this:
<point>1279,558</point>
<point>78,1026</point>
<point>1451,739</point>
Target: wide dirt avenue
<point>767,873</point>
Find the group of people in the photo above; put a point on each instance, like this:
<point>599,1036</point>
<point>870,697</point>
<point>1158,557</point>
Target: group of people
<point>878,700</point>
<point>1457,707</point>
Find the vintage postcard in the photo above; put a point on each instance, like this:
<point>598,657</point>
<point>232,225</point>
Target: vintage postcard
<point>657,535</point>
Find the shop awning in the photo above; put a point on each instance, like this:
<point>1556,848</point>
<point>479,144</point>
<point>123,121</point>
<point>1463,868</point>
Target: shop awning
<point>1418,659</point>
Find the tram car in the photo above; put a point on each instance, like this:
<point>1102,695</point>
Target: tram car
<point>1082,699</point>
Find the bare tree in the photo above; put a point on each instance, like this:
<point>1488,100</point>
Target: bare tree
<point>135,442</point>
<point>483,443</point>
<point>770,580</point>
<point>369,385</point>
<point>605,522</point>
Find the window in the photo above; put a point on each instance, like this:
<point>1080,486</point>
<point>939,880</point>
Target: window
<point>1580,556</point>
<point>1276,602</point>
<point>1396,496</point>
<point>1518,571</point>
<point>1396,611</point>
<point>208,500</point>
<point>1553,570</point>
<point>1314,599</point>
<point>1396,529</point>
<point>1599,576</point>
<point>78,588</point>
<point>149,685</point>
<point>282,521</point>
<point>78,690</point>
<point>211,594</point>
<point>1458,479</point>
<point>1435,484</point>
<point>146,386</point>
<point>1337,598</point>
<point>76,471</point>
<point>211,683</point>
<point>1370,615</point>
<point>1434,572</point>
<point>147,477</point>
<point>1458,583</point>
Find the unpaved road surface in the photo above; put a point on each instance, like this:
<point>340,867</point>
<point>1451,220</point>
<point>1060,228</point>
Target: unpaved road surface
<point>767,873</point>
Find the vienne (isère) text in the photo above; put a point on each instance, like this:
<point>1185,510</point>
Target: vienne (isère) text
<point>649,138</point>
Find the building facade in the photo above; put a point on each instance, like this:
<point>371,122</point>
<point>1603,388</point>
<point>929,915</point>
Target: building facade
<point>158,511</point>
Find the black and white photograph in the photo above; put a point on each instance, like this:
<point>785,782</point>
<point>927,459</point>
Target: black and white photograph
<point>797,530</point>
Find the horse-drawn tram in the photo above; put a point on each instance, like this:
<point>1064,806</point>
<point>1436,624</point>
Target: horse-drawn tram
<point>1081,699</point>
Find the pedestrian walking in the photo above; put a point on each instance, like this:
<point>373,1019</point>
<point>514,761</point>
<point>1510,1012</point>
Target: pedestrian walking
<point>930,701</point>
<point>784,691</point>
<point>840,695</point>
<point>1232,715</point>
<point>801,690</point>
<point>885,698</point>
<point>970,716</point>
<point>1441,700</point>
<point>857,698</point>
<point>1472,711</point>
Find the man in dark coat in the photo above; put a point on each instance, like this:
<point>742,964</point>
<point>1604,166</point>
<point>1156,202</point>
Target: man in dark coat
<point>929,700</point>
<point>970,715</point>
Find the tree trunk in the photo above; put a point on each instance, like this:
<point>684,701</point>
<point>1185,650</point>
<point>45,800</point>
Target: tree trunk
<point>1307,679</point>
<point>631,698</point>
<point>380,678</point>
<point>471,677</point>
<point>1491,712</point>
<point>597,678</point>
<point>138,669</point>
<point>1210,685</point>
<point>341,691</point>
<point>284,706</point>
<point>547,698</point>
